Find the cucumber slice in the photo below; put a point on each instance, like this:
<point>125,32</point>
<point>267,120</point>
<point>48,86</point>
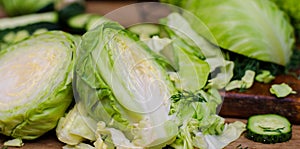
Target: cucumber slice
<point>83,22</point>
<point>146,30</point>
<point>269,128</point>
<point>79,21</point>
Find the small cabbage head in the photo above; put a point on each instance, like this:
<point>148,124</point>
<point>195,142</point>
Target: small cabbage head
<point>35,85</point>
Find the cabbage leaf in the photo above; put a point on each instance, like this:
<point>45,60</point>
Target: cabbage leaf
<point>254,28</point>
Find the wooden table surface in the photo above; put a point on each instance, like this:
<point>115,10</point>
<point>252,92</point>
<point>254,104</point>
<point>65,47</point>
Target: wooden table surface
<point>49,141</point>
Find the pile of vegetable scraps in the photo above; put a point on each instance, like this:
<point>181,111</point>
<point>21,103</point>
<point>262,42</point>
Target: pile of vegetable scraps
<point>101,85</point>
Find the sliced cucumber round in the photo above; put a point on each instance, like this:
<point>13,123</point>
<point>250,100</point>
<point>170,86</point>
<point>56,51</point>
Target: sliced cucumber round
<point>269,128</point>
<point>146,30</point>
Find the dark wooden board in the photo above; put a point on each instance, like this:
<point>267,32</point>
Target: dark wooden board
<point>259,100</point>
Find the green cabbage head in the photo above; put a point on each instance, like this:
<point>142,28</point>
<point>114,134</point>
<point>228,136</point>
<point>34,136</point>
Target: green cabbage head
<point>130,96</point>
<point>35,84</point>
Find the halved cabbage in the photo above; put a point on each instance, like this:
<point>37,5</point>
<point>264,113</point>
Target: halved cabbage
<point>35,84</point>
<point>120,83</point>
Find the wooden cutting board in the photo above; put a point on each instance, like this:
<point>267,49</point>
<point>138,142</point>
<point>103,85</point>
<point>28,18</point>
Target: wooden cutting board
<point>259,100</point>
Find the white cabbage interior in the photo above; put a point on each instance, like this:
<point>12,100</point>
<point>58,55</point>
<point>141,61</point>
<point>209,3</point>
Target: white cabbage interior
<point>31,75</point>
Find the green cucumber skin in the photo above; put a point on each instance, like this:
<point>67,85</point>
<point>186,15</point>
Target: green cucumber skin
<point>268,139</point>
